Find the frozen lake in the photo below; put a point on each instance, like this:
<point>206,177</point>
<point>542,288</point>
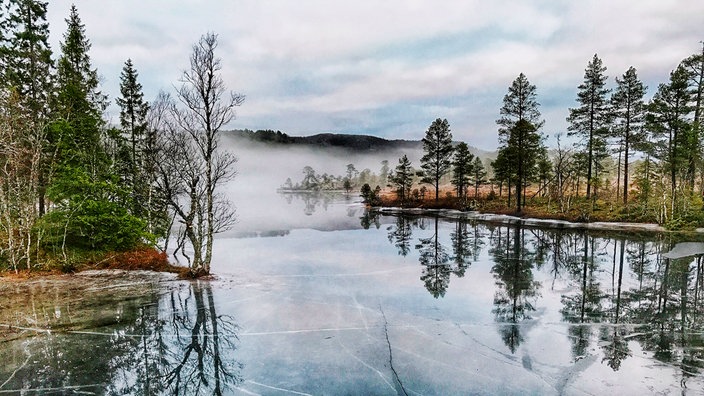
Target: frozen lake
<point>340,301</point>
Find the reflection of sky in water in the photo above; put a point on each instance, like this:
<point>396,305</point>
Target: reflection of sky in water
<point>409,305</point>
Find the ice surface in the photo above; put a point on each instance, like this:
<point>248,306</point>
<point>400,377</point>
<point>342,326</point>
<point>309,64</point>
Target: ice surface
<point>412,305</point>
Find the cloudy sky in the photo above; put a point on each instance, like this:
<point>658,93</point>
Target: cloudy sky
<point>388,68</point>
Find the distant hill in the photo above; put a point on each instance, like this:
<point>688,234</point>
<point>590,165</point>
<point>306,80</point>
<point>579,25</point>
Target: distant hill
<point>349,142</point>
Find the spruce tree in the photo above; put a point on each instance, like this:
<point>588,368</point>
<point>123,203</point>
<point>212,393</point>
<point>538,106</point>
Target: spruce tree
<point>629,113</point>
<point>478,175</point>
<point>90,210</point>
<point>5,29</point>
<point>29,65</point>
<point>78,100</point>
<point>437,145</point>
<point>694,67</point>
<point>667,120</point>
<point>402,178</point>
<point>133,120</point>
<point>28,70</point>
<point>462,163</point>
<point>520,103</point>
<point>590,120</point>
<point>518,132</point>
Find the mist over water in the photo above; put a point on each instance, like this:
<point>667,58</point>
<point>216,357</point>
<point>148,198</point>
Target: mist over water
<point>263,168</point>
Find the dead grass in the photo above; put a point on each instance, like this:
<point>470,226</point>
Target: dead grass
<point>142,259</point>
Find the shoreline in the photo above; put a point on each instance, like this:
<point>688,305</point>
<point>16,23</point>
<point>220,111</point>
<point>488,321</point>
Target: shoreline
<point>532,222</point>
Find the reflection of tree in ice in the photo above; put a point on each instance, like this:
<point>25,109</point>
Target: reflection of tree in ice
<point>197,365</point>
<point>614,346</point>
<point>582,264</point>
<point>174,343</point>
<point>311,200</point>
<point>511,335</point>
<point>370,218</point>
<point>580,336</point>
<point>188,350</point>
<point>436,264</point>
<point>400,235</point>
<point>462,249</point>
<point>669,312</point>
<point>513,271</point>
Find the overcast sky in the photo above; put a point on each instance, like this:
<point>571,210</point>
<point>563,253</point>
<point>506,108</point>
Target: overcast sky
<point>387,68</point>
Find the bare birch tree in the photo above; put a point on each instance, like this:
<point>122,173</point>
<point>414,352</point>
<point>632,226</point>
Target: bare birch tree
<point>193,164</point>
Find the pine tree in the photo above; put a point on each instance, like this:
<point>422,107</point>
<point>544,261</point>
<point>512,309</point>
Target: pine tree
<point>133,120</point>
<point>667,120</point>
<point>694,66</point>
<point>520,103</point>
<point>518,132</point>
<point>591,119</point>
<point>29,67</point>
<point>437,145</point>
<point>478,175</point>
<point>503,173</point>
<point>6,28</point>
<point>78,100</point>
<point>402,178</point>
<point>28,70</point>
<point>89,202</point>
<point>462,169</point>
<point>629,114</point>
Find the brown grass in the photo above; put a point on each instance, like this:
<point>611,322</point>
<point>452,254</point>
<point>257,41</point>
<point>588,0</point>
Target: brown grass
<point>145,259</point>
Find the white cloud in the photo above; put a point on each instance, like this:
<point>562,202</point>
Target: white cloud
<point>316,65</point>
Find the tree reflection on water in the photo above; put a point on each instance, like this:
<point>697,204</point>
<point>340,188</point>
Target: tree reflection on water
<point>192,362</point>
<point>615,291</point>
<point>516,288</point>
<point>173,343</point>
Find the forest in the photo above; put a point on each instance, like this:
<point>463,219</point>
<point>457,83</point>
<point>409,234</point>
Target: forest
<point>76,189</point>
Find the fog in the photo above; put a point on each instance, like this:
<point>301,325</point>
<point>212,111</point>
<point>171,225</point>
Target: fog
<point>263,168</point>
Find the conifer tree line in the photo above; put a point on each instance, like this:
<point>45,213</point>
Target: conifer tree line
<point>641,158</point>
<point>73,186</point>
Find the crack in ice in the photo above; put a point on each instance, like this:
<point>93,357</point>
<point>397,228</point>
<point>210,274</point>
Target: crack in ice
<point>391,357</point>
<point>279,389</point>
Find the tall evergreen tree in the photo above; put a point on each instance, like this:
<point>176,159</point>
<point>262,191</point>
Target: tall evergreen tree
<point>518,131</point>
<point>667,120</point>
<point>629,114</point>
<point>520,103</point>
<point>694,67</point>
<point>89,201</point>
<point>462,164</point>
<point>522,151</point>
<point>133,120</point>
<point>5,29</point>
<point>78,100</point>
<point>590,120</point>
<point>437,145</point>
<point>478,175</point>
<point>29,67</point>
<point>28,70</point>
<point>402,178</point>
